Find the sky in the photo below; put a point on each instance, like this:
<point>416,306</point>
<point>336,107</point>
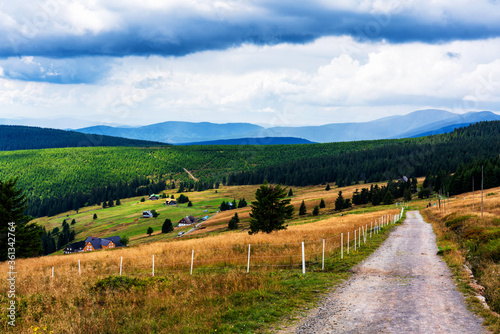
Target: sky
<point>274,63</point>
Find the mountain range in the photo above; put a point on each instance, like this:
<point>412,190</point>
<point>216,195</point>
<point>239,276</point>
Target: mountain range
<point>415,124</point>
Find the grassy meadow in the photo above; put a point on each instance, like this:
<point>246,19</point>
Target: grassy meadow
<point>126,219</point>
<point>219,296</point>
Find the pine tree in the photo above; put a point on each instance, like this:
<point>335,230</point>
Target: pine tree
<point>242,203</point>
<point>270,209</point>
<point>190,204</point>
<point>233,223</point>
<point>302,209</point>
<point>118,202</point>
<point>167,226</point>
<point>315,210</point>
<point>13,204</point>
<point>339,202</point>
<point>110,203</point>
<point>327,187</point>
<point>149,231</point>
<point>290,193</point>
<point>407,195</point>
<point>388,198</point>
<point>95,216</point>
<point>73,222</point>
<point>322,204</point>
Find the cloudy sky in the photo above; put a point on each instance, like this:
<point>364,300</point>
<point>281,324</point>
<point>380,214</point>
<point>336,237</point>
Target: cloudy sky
<point>281,62</point>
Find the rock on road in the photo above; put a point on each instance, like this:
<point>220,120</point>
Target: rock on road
<point>403,287</point>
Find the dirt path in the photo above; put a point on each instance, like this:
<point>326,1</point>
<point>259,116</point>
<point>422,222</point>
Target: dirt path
<point>190,174</point>
<point>403,287</point>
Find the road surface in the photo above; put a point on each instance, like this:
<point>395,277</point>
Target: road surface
<point>403,287</point>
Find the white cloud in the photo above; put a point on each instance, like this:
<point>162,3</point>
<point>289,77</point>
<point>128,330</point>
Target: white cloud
<point>286,84</point>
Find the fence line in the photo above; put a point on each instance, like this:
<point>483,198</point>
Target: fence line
<point>252,260</point>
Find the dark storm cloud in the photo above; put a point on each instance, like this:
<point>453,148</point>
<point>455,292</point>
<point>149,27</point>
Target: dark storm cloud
<point>186,31</point>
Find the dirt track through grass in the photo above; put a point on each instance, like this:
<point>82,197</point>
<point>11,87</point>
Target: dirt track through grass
<point>404,287</point>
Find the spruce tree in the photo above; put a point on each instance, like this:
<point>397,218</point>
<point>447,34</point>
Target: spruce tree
<point>242,203</point>
<point>327,187</point>
<point>322,204</point>
<point>290,193</point>
<point>407,195</point>
<point>339,202</point>
<point>315,210</point>
<point>118,202</point>
<point>167,226</point>
<point>388,198</point>
<point>149,231</point>
<point>95,216</point>
<point>13,204</point>
<point>270,209</point>
<point>302,209</point>
<point>233,223</point>
<point>190,204</point>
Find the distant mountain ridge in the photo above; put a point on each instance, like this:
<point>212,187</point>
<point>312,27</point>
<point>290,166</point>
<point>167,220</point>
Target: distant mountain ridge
<point>254,141</point>
<point>15,137</point>
<point>414,124</point>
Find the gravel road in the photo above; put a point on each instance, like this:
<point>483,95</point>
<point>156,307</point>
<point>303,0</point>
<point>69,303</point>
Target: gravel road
<point>403,287</point>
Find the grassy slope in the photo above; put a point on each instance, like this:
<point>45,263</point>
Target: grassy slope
<point>223,298</point>
<point>126,219</point>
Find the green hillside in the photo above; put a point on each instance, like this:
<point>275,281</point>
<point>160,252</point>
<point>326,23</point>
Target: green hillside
<point>57,180</point>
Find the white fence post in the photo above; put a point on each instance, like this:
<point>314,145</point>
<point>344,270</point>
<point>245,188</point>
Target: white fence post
<point>192,261</point>
<point>248,263</point>
<point>323,262</point>
<point>79,268</point>
<point>365,232</point>
<point>341,245</point>
<point>303,259</point>
<point>121,262</point>
<point>359,237</point>
<point>153,265</point>
<point>371,228</point>
<point>347,242</point>
<point>355,239</point>
<point>52,271</point>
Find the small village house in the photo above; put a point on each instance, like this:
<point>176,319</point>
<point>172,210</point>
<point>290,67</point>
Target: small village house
<point>188,220</point>
<point>93,243</point>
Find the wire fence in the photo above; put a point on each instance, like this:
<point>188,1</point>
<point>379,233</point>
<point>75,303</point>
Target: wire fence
<point>298,255</point>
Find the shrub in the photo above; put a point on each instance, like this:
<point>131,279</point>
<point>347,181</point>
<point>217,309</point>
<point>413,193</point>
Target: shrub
<point>124,240</point>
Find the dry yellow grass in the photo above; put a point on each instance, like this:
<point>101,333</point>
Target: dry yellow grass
<point>467,202</point>
<point>66,304</point>
<point>281,248</point>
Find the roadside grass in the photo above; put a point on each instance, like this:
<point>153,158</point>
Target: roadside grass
<point>463,238</point>
<point>226,300</point>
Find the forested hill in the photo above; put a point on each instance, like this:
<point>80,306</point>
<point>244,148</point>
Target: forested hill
<point>56,180</point>
<point>13,137</point>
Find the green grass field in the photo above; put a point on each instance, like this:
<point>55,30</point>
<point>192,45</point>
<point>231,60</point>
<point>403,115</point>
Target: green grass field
<point>126,219</point>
